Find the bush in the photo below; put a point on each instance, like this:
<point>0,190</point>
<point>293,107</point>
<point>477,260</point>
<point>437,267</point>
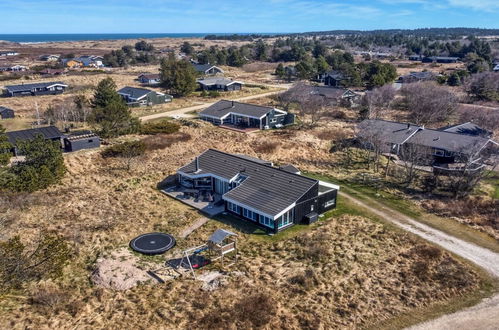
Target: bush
<point>159,142</point>
<point>42,167</point>
<point>161,127</point>
<point>125,150</point>
<point>266,147</point>
<point>214,94</point>
<point>257,309</point>
<point>20,264</point>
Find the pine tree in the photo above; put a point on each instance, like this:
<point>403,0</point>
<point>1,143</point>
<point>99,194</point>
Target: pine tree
<point>115,119</point>
<point>178,77</point>
<point>43,165</point>
<point>105,93</point>
<point>5,147</point>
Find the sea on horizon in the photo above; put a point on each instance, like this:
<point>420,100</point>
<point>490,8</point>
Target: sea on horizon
<point>42,38</point>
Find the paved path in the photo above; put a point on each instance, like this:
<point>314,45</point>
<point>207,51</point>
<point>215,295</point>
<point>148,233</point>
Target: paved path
<point>482,316</point>
<point>187,231</point>
<point>184,112</point>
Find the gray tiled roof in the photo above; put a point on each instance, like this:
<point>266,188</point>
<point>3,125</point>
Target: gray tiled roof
<point>329,92</point>
<point>134,92</point>
<point>204,67</point>
<point>267,189</point>
<point>224,107</point>
<point>2,109</point>
<point>216,81</point>
<point>28,87</point>
<point>49,132</point>
<point>387,131</point>
<point>454,142</point>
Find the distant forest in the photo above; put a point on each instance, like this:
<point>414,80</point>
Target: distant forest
<point>435,33</point>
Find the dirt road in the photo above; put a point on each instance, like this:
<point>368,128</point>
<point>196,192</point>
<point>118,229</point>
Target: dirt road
<point>482,316</point>
<point>184,112</point>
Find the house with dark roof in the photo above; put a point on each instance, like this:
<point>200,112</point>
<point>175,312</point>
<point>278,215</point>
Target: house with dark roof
<point>43,88</point>
<point>334,95</point>
<point>267,196</point>
<point>442,146</point>
<point>219,84</point>
<point>52,72</point>
<point>49,58</point>
<point>416,77</point>
<point>208,69</point>
<point>150,79</point>
<point>6,113</point>
<point>137,97</point>
<point>246,115</point>
<point>333,78</point>
<point>48,133</point>
<point>440,59</point>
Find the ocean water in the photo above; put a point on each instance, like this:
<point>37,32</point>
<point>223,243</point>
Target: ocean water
<point>40,38</point>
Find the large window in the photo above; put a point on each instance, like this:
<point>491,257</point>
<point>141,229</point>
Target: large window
<point>250,214</point>
<point>266,221</point>
<point>233,207</point>
<point>286,218</point>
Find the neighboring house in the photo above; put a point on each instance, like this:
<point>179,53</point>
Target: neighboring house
<point>208,69</point>
<point>246,115</point>
<point>91,61</point>
<point>417,77</point>
<point>18,68</point>
<point>8,53</point>
<point>219,84</point>
<point>440,59</point>
<point>6,113</point>
<point>81,140</point>
<point>52,72</point>
<point>49,58</point>
<point>496,68</point>
<point>150,79</point>
<point>45,88</point>
<point>332,78</point>
<point>72,63</point>
<point>137,97</point>
<point>443,147</point>
<point>416,57</point>
<point>335,95</point>
<point>48,133</point>
<point>264,195</point>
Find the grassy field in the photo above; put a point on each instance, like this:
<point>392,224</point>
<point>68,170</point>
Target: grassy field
<point>408,208</point>
<point>348,270</point>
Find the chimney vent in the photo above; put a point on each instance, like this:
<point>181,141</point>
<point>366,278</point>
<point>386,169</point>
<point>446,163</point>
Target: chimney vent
<point>233,104</point>
<point>197,164</point>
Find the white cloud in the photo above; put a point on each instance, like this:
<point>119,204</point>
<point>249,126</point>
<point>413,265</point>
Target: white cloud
<point>485,5</point>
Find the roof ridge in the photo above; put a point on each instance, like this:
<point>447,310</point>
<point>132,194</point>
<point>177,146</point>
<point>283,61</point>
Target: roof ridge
<point>257,163</point>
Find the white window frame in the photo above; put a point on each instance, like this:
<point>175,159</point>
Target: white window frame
<point>330,202</point>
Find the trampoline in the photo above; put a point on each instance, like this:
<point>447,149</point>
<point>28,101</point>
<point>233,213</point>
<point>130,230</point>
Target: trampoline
<point>152,243</point>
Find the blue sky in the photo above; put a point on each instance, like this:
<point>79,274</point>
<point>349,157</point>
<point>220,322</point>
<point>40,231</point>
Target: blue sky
<point>177,16</point>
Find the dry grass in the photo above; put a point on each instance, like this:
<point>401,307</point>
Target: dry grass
<point>347,272</point>
<point>477,211</point>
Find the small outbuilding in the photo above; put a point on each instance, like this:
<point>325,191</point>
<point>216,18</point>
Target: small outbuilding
<point>81,140</point>
<point>6,113</point>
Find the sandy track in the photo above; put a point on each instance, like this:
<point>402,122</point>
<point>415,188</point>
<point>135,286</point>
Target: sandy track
<point>482,316</point>
<point>183,112</point>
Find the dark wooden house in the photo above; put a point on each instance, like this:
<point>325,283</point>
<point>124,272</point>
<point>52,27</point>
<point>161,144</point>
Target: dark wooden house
<point>208,69</point>
<point>245,115</point>
<point>48,133</point>
<point>137,97</point>
<point>6,113</point>
<point>219,84</point>
<point>45,88</point>
<point>267,196</point>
